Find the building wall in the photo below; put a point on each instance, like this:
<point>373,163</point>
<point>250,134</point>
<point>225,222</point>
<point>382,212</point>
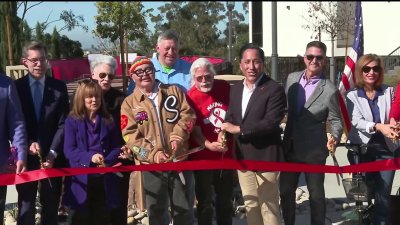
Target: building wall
<point>381,33</point>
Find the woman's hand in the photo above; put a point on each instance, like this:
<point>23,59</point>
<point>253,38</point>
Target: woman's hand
<point>98,159</point>
<point>388,130</point>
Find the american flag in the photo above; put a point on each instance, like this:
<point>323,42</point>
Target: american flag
<point>348,77</point>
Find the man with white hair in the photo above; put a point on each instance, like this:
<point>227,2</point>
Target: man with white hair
<point>209,98</point>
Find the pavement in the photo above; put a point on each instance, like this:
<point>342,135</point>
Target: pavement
<point>335,196</point>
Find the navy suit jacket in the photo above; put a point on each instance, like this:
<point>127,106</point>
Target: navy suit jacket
<point>49,130</point>
<point>261,134</point>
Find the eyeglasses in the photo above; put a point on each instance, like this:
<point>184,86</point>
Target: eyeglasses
<point>141,72</point>
<point>206,77</point>
<point>103,75</point>
<point>318,57</point>
<point>376,69</point>
<point>36,60</point>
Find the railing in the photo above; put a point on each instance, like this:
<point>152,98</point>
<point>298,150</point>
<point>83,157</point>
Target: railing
<point>395,52</point>
<point>16,72</point>
<point>391,61</point>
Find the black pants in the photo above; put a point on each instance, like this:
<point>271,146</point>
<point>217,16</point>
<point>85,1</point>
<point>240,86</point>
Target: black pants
<point>119,215</point>
<point>219,182</point>
<point>96,212</point>
<point>50,192</point>
<point>315,185</point>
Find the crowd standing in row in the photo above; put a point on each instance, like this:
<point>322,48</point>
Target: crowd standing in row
<point>175,107</point>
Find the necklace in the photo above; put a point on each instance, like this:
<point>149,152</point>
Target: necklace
<point>370,95</point>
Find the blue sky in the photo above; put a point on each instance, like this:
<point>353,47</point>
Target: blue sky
<point>87,10</point>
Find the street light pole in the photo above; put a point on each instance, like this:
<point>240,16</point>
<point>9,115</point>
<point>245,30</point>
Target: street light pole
<point>230,5</point>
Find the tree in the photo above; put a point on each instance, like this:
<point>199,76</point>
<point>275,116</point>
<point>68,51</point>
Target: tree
<point>70,48</point>
<point>119,20</point>
<point>71,21</point>
<point>25,5</point>
<point>26,32</point>
<point>240,35</point>
<point>195,22</point>
<point>324,17</point>
<point>39,32</point>
<point>10,38</point>
<point>55,45</point>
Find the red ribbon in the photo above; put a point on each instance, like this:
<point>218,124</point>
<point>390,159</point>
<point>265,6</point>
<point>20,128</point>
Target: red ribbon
<point>228,164</point>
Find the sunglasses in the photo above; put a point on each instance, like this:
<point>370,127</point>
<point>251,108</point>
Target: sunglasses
<point>103,75</point>
<point>140,72</point>
<point>376,69</point>
<point>86,81</point>
<point>206,77</point>
<point>318,57</point>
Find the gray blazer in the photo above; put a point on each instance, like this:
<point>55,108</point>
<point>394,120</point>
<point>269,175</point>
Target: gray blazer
<point>305,136</point>
<point>361,116</point>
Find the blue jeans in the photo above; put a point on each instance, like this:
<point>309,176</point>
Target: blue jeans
<point>380,184</point>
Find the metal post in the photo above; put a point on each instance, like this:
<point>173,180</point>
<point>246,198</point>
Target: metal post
<point>230,5</point>
<point>274,55</point>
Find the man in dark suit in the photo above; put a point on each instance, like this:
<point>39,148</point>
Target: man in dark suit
<point>312,100</point>
<point>256,108</point>
<point>45,105</point>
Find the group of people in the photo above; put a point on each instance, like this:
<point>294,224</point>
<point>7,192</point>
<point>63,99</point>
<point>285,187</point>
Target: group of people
<point>176,107</point>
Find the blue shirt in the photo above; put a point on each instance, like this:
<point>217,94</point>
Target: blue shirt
<point>179,74</point>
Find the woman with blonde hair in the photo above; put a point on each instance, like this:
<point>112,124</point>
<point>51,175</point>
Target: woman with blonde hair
<point>368,106</point>
<point>91,140</point>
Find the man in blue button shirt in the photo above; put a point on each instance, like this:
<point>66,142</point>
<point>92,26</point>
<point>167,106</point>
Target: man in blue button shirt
<point>170,69</point>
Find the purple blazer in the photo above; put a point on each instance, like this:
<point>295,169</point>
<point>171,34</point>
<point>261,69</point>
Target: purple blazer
<point>77,155</point>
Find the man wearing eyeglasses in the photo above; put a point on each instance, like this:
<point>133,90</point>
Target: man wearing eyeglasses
<point>45,106</point>
<point>103,70</point>
<point>312,101</point>
<point>157,119</point>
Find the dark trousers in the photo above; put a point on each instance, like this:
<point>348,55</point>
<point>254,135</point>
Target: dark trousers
<point>379,183</point>
<point>3,195</point>
<point>207,183</point>
<point>119,215</point>
<point>95,212</point>
<point>315,185</point>
<point>49,194</point>
<point>164,189</point>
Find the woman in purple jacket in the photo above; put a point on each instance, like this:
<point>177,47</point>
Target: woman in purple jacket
<point>91,140</point>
